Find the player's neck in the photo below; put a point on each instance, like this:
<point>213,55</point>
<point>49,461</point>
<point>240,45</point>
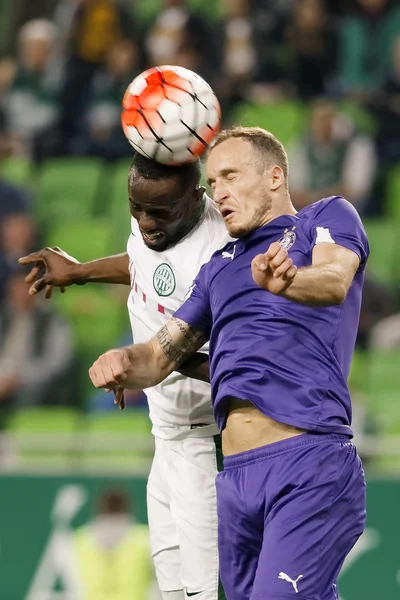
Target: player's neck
<point>280,207</point>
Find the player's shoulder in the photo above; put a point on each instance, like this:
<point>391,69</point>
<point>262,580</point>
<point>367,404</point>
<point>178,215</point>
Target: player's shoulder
<point>134,227</point>
<point>334,205</point>
<point>226,250</point>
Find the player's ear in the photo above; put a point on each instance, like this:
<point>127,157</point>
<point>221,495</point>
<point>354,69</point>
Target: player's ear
<point>277,178</point>
<point>199,193</point>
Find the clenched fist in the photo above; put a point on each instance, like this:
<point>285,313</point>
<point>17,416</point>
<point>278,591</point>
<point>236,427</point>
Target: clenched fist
<point>110,371</point>
<point>273,271</point>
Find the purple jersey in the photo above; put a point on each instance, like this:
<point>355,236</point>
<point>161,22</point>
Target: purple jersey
<point>291,361</point>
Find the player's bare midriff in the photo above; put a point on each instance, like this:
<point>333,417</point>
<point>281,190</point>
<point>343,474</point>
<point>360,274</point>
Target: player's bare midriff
<point>247,428</point>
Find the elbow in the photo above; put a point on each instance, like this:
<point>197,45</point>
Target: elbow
<point>339,294</point>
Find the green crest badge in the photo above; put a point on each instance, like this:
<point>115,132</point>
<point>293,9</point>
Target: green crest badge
<point>164,280</point>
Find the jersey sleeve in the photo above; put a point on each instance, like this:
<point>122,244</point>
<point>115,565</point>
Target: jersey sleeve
<point>338,222</point>
<point>195,309</point>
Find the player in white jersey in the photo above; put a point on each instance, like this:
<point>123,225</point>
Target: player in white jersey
<point>175,228</point>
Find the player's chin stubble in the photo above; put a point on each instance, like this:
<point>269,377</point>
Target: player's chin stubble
<point>257,219</point>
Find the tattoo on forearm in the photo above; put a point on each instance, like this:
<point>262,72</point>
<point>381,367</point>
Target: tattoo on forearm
<point>177,353</point>
<point>168,347</point>
<point>197,367</point>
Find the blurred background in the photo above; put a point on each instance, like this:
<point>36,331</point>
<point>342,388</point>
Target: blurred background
<point>324,77</point>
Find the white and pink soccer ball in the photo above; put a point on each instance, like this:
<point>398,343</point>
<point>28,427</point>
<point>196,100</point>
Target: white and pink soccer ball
<point>170,115</point>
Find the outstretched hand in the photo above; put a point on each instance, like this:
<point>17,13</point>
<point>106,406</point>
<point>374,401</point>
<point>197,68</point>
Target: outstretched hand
<point>52,267</point>
<point>273,271</point>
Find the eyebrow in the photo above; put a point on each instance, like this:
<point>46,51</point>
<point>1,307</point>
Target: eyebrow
<point>223,173</point>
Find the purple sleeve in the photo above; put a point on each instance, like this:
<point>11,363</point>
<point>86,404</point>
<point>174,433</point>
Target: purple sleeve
<point>195,309</point>
<point>338,222</point>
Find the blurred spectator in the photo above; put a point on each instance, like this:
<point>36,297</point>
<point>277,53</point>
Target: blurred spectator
<point>366,46</point>
<point>96,26</point>
<point>239,52</point>
<point>7,74</point>
<point>267,22</point>
<point>379,327</point>
<point>63,18</point>
<point>13,199</point>
<point>312,47</point>
<point>102,134</point>
<point>113,552</point>
<point>378,305</point>
<point>20,12</point>
<point>239,56</point>
<point>18,237</point>
<point>386,105</point>
<point>178,30</point>
<point>330,160</point>
<point>32,102</point>
<point>386,334</point>
<point>36,350</point>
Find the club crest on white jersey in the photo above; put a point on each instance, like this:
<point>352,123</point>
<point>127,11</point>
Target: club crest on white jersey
<point>164,280</point>
<point>159,283</point>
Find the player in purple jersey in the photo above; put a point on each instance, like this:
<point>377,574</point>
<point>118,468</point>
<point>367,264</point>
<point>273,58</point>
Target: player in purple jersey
<point>280,307</point>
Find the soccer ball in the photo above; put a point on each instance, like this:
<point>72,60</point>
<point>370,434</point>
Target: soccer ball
<point>170,115</point>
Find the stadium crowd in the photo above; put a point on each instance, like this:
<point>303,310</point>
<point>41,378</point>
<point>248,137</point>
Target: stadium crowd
<point>62,77</point>
<point>323,75</point>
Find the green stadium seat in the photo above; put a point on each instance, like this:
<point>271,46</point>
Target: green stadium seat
<point>16,170</point>
<point>125,438</point>
<point>382,385</point>
<point>383,235</point>
<point>98,319</point>
<point>286,120</point>
<point>209,8</point>
<point>358,370</point>
<point>96,314</point>
<point>147,10</point>
<point>393,194</point>
<point>67,189</point>
<point>85,240</point>
<point>45,435</point>
<point>135,421</point>
<point>45,419</point>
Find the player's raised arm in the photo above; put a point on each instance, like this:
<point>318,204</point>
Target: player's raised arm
<point>339,249</point>
<point>328,279</point>
<point>144,365</point>
<point>324,283</point>
<point>52,267</point>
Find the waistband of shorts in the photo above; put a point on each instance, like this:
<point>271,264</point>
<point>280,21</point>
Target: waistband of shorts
<point>197,430</point>
<point>276,448</point>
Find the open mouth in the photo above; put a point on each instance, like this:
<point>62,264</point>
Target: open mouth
<point>152,237</point>
<point>226,213</point>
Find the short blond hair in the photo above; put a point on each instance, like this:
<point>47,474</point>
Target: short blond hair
<point>261,139</point>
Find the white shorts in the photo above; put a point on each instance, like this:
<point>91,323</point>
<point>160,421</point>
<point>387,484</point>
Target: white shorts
<point>182,512</point>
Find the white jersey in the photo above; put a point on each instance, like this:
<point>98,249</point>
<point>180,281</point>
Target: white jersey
<point>159,282</point>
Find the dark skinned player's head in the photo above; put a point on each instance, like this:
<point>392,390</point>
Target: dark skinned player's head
<point>167,202</point>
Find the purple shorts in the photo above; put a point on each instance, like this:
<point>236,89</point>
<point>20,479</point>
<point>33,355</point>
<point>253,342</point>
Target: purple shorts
<point>289,513</point>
